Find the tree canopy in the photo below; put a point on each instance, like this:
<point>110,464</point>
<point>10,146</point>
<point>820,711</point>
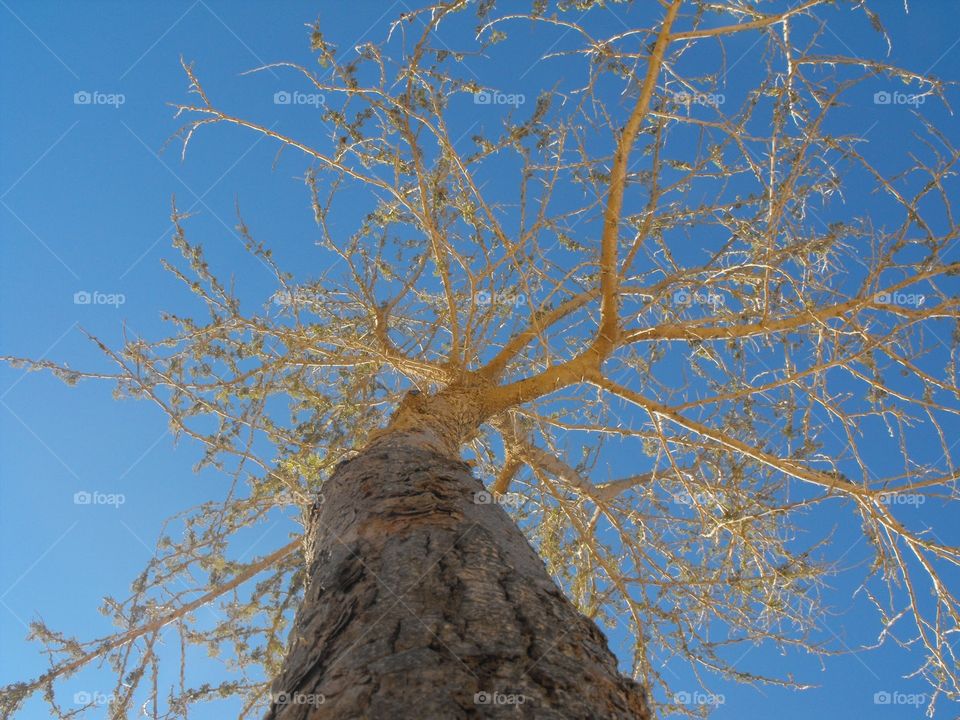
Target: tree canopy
<point>693,290</point>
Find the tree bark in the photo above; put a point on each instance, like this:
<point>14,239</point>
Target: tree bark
<point>424,601</point>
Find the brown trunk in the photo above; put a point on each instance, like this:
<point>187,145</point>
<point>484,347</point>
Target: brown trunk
<point>426,602</point>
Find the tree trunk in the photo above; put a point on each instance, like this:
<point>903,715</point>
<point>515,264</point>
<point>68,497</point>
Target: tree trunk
<point>426,602</point>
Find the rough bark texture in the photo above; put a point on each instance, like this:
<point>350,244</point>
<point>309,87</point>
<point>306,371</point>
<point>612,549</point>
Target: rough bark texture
<point>425,603</point>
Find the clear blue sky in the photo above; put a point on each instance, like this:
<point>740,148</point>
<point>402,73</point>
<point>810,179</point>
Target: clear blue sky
<point>85,193</point>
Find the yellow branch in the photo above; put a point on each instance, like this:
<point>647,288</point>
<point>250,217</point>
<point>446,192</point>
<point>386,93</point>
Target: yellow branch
<point>752,25</point>
<point>609,277</point>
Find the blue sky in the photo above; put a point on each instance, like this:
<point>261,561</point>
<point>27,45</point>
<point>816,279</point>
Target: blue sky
<point>85,190</point>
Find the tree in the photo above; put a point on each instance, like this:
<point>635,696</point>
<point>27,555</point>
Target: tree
<point>650,271</point>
